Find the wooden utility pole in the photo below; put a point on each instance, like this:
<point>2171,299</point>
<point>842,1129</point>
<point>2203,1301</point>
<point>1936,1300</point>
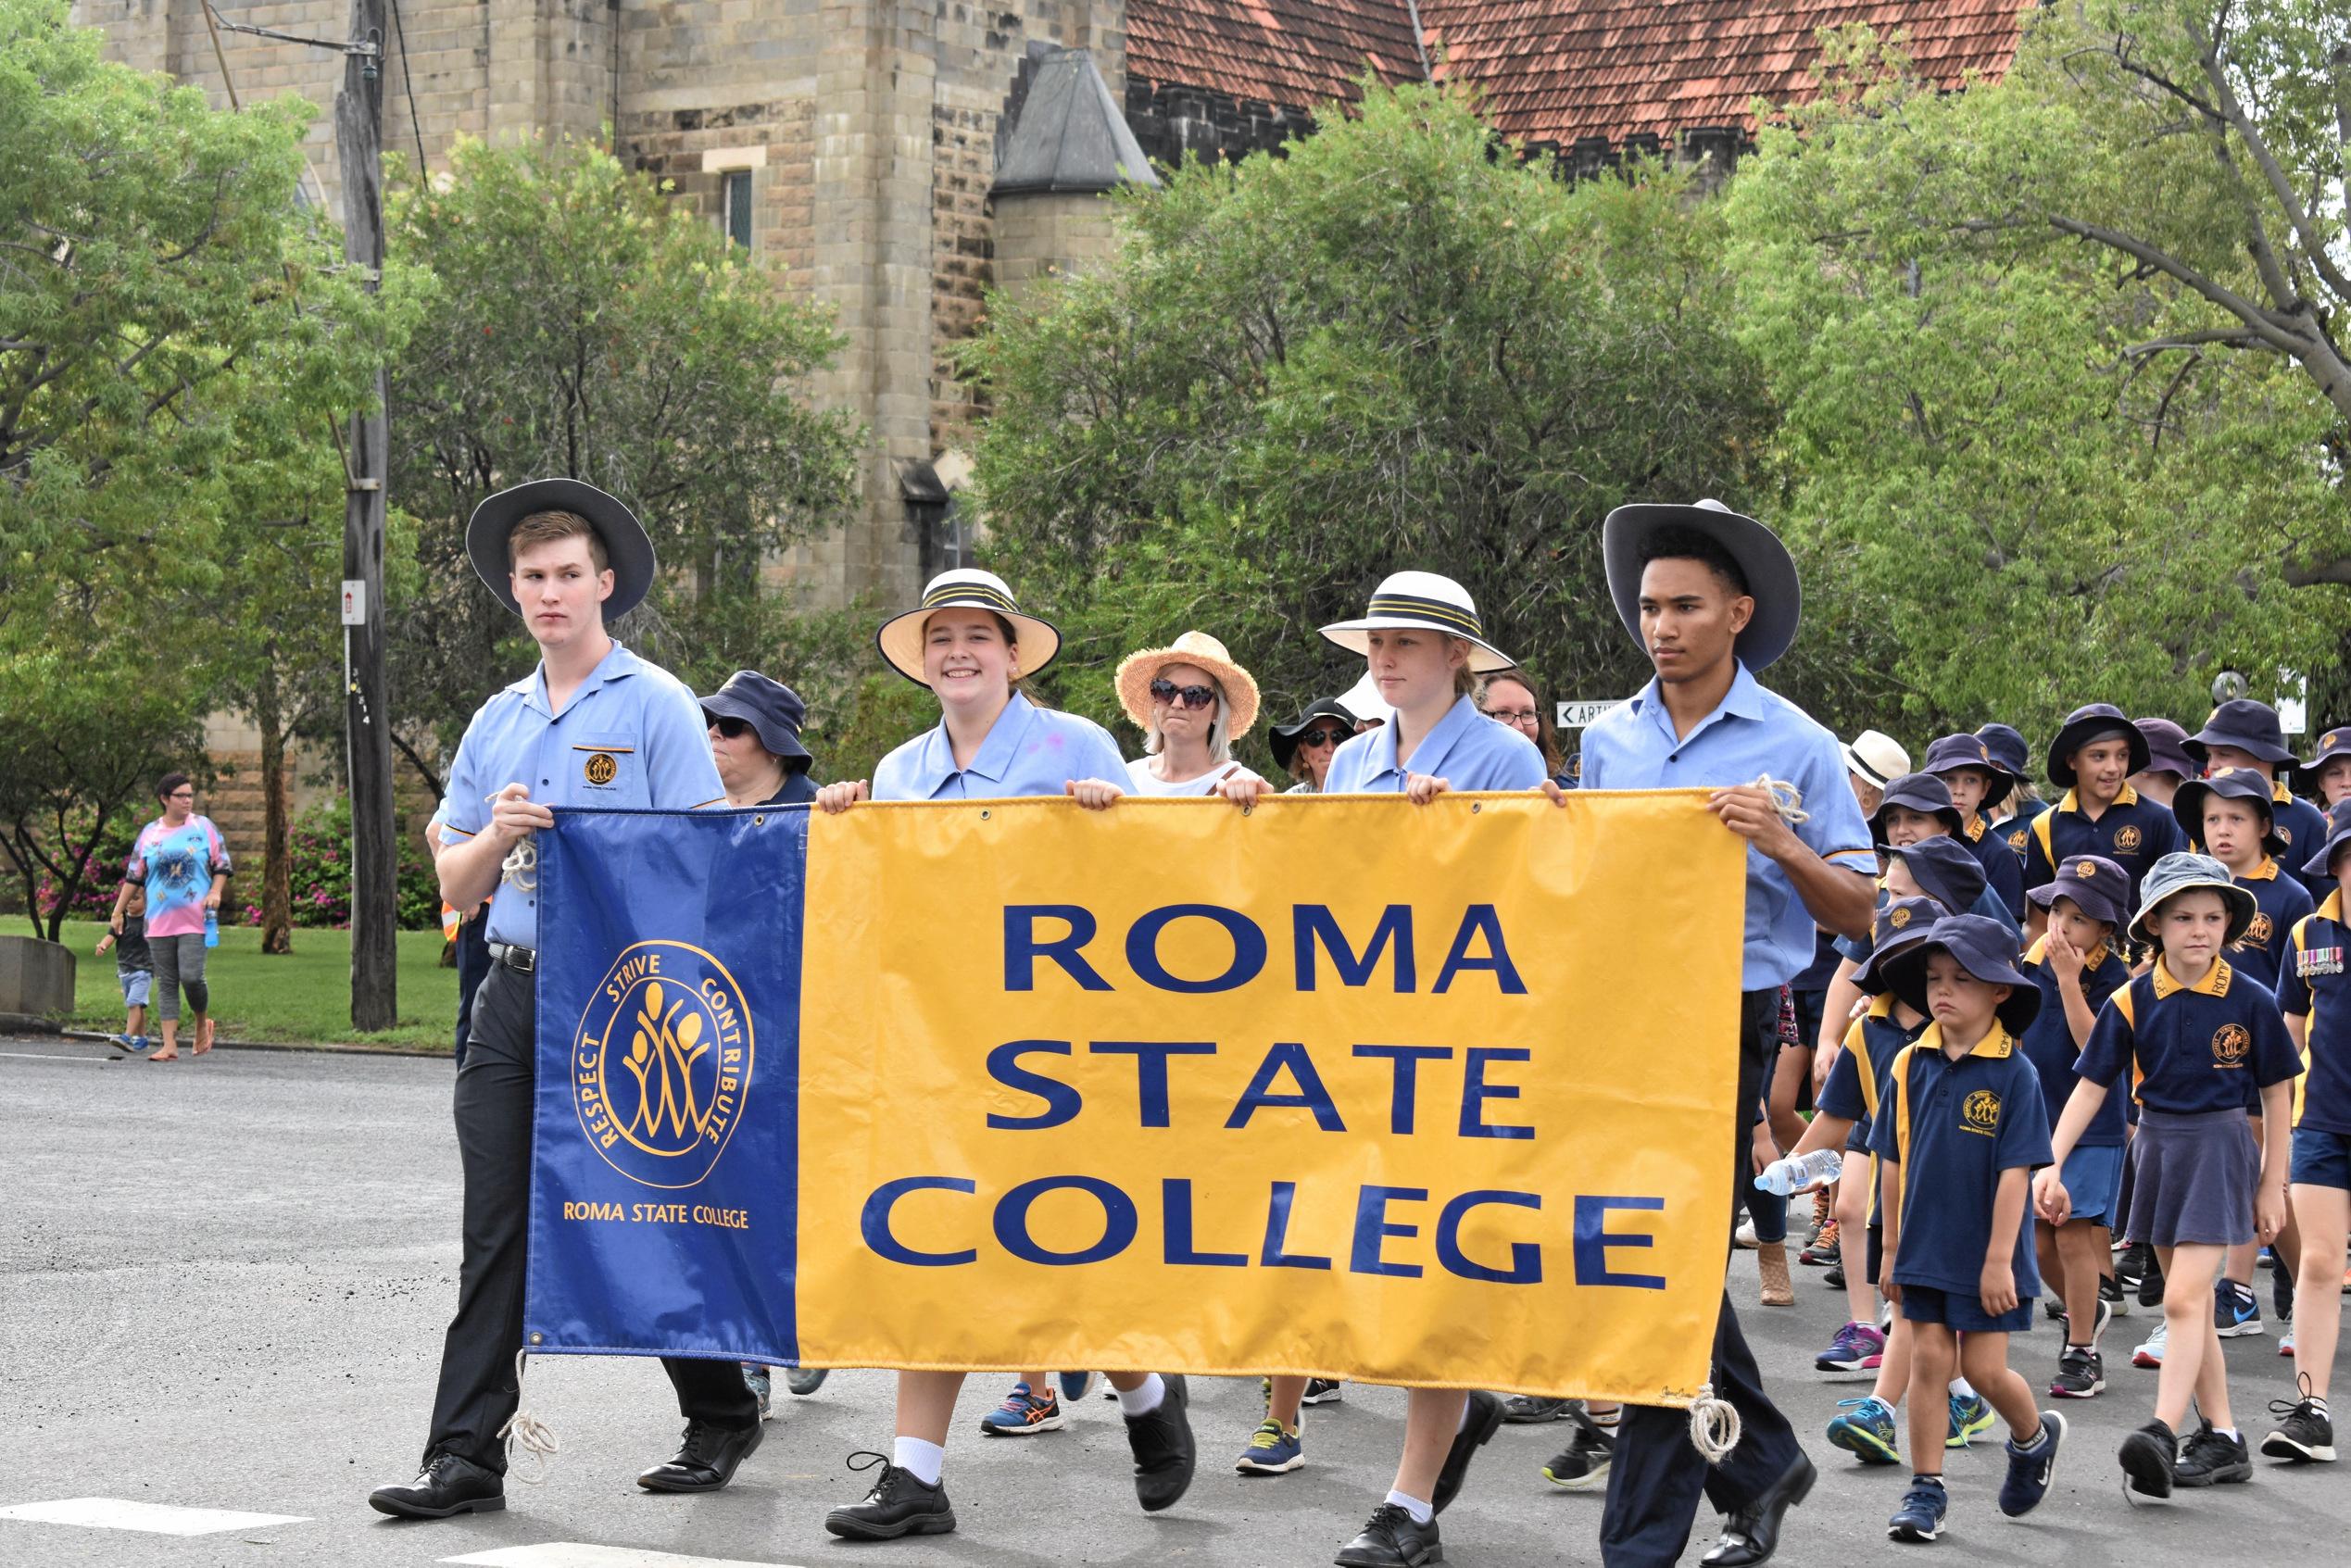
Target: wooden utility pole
<point>358,134</point>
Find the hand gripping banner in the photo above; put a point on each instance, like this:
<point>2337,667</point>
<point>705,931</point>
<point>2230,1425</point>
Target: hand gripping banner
<point>1419,1095</point>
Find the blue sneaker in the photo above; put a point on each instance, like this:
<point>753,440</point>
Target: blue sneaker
<point>1869,1434</point>
<point>1971,1417</point>
<point>1855,1353</point>
<point>1920,1516</point>
<point>1272,1451</point>
<point>2030,1469</point>
<point>132,1043</point>
<point>2236,1311</point>
<point>1076,1385</point>
<point>1022,1414</point>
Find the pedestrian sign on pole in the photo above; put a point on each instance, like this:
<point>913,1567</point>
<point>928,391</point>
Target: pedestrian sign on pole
<point>1575,715</point>
<point>354,601</point>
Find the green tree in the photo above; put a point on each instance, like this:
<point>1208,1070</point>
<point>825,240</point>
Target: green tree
<point>595,329</point>
<point>2017,418</point>
<point>1394,346</point>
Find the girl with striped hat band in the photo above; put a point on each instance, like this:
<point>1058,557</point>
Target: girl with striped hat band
<point>1424,649</point>
<point>970,644</point>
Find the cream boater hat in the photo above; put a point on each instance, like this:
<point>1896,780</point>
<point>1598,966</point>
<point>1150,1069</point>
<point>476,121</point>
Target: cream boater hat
<point>1137,672</point>
<point>1875,757</point>
<point>900,638</point>
<point>1425,600</point>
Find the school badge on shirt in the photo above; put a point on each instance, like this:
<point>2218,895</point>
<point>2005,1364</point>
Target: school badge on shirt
<point>600,768</point>
<point>2256,934</point>
<point>2230,1045</point>
<point>2125,840</point>
<point>1980,1112</point>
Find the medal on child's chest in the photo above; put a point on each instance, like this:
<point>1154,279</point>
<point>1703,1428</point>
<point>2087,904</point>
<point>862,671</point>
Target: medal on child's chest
<point>2313,962</point>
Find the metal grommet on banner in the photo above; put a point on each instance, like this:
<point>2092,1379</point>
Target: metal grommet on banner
<point>1475,807</point>
<point>759,821</point>
<point>985,814</point>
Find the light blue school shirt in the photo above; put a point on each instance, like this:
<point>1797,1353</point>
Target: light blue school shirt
<point>631,735</point>
<point>1754,732</point>
<point>1029,750</point>
<point>1466,750</point>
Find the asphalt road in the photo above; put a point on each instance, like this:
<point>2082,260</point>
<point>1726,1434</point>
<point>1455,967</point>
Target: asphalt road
<point>223,1286</point>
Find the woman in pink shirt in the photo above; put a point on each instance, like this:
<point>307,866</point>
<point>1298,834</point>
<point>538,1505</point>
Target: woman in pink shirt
<point>181,859</point>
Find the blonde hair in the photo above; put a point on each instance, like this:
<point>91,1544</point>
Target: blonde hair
<point>1220,729</point>
<point>548,528</point>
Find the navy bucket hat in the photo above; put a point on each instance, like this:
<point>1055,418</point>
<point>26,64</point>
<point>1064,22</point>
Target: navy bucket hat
<point>2096,885</point>
<point>773,711</point>
<point>1945,871</point>
<point>2229,784</point>
<point>1901,924</point>
<point>2008,750</point>
<point>2245,724</point>
<point>2084,724</point>
<point>1987,950</point>
<point>1950,752</point>
<point>1918,791</point>
<point>2338,835</point>
<point>2167,748</point>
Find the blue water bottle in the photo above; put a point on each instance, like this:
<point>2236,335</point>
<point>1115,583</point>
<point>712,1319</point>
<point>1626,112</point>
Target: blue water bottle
<point>211,928</point>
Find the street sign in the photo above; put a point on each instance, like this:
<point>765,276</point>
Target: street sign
<point>354,601</point>
<point>1575,715</point>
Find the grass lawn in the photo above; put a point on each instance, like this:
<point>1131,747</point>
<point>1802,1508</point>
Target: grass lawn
<point>304,995</point>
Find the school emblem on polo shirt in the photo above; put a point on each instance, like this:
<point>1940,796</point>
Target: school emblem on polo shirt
<point>2257,934</point>
<point>2230,1045</point>
<point>1980,1112</point>
<point>2125,840</point>
<point>2016,841</point>
<point>600,768</point>
<point>2283,832</point>
<point>661,1063</point>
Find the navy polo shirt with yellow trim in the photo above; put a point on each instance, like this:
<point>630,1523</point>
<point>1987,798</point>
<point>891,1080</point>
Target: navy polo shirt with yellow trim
<point>2304,827</point>
<point>2134,833</point>
<point>1876,1039</point>
<point>2316,990</point>
<point>2003,871</point>
<point>1951,1127</point>
<point>2193,1048</point>
<point>2282,902</point>
<point>2048,1040</point>
<point>2017,826</point>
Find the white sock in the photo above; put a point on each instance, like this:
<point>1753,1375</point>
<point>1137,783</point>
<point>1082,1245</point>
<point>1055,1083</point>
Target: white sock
<point>1963,1388</point>
<point>2319,1409</point>
<point>1422,1513</point>
<point>2228,1432</point>
<point>921,1459</point>
<point>1142,1400</point>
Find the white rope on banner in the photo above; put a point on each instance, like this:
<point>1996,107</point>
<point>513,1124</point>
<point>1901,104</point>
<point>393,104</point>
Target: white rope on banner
<point>534,1436</point>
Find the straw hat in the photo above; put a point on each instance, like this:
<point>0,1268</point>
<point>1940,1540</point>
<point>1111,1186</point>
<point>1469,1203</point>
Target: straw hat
<point>1137,672</point>
<point>1427,601</point>
<point>901,637</point>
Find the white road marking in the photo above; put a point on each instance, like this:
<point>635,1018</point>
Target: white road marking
<point>580,1554</point>
<point>155,1518</point>
<point>44,1056</point>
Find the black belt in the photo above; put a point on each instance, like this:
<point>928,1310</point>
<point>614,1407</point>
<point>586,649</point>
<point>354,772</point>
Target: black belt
<point>522,960</point>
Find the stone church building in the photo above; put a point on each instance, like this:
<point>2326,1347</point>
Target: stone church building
<point>892,158</point>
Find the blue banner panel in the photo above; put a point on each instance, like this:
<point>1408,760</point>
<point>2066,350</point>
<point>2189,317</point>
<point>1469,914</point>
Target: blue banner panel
<point>664,1202</point>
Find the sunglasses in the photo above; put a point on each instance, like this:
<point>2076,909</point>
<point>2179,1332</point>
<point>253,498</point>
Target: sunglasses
<point>733,729</point>
<point>1193,696</point>
<point>1325,737</point>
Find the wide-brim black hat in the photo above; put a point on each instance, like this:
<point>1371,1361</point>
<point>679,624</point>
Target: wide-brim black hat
<point>1987,950</point>
<point>628,549</point>
<point>1944,869</point>
<point>1284,737</point>
<point>1900,925</point>
<point>2245,724</point>
<point>2229,784</point>
<point>1950,753</point>
<point>773,709</point>
<point>2085,724</point>
<point>1770,572</point>
<point>1918,791</point>
<point>2338,835</point>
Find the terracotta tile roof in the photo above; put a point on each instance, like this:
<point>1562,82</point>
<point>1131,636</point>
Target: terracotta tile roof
<point>1293,52</point>
<point>1555,70</point>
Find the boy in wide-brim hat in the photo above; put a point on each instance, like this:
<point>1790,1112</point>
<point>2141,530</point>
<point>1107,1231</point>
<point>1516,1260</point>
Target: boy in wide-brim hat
<point>2092,760</point>
<point>1977,785</point>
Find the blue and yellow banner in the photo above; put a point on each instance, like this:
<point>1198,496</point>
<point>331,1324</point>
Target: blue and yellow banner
<point>1345,1086</point>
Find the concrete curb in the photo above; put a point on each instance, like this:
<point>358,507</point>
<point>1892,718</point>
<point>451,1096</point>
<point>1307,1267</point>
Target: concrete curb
<point>320,1047</point>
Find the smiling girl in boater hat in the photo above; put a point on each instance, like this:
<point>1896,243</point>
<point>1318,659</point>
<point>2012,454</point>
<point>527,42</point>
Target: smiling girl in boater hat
<point>971,644</point>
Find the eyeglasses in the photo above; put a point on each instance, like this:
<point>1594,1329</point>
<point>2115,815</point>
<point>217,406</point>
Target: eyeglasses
<point>733,729</point>
<point>1193,696</point>
<point>1323,738</point>
<point>1512,715</point>
<point>182,795</point>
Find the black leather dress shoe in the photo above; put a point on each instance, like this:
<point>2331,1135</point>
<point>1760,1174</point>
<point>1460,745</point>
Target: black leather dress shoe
<point>447,1485</point>
<point>705,1460</point>
<point>1392,1540</point>
<point>1485,1419</point>
<point>899,1505</point>
<point>1162,1444</point>
<point>1751,1534</point>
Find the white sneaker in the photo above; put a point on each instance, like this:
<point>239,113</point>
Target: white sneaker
<point>1745,1236</point>
<point>2151,1353</point>
<point>2286,1342</point>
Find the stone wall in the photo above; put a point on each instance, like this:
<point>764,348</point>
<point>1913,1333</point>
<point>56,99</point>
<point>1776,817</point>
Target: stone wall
<point>1174,122</point>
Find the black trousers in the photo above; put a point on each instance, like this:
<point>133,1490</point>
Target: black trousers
<point>477,1393</point>
<point>472,968</point>
<point>1656,1477</point>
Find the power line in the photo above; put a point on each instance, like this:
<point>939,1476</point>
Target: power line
<point>407,85</point>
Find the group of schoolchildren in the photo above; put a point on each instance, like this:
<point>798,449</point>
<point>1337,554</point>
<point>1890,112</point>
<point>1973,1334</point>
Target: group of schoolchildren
<point>2138,1101</point>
